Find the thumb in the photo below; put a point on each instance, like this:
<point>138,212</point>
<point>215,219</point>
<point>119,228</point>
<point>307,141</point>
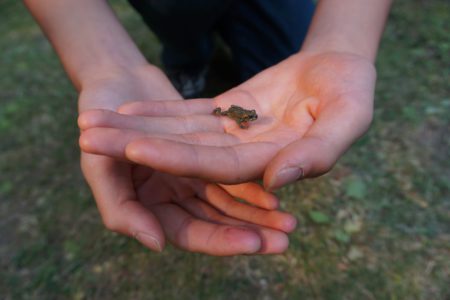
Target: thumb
<point>332,133</point>
<point>308,157</point>
<point>113,190</point>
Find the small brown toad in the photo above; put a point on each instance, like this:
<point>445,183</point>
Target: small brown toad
<point>237,113</point>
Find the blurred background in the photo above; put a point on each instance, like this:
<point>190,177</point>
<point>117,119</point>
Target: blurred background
<point>376,227</point>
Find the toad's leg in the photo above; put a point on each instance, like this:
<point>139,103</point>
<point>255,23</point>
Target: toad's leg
<point>217,111</point>
<point>242,123</point>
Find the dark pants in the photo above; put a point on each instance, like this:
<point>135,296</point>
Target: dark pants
<point>260,33</point>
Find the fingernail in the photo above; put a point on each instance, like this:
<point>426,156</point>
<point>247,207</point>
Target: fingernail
<point>148,240</point>
<point>290,224</point>
<point>286,176</point>
<point>245,239</point>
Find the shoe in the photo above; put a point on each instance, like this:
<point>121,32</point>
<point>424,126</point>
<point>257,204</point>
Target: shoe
<point>188,84</point>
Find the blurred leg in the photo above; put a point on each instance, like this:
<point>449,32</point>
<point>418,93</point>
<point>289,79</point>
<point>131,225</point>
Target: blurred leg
<point>184,28</point>
<point>262,33</point>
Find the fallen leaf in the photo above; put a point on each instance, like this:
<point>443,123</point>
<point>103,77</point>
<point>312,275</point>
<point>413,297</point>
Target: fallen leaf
<point>356,188</point>
<point>355,253</point>
<point>319,217</point>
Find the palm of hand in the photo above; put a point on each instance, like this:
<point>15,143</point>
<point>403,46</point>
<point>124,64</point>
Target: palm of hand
<point>311,108</point>
<point>291,96</point>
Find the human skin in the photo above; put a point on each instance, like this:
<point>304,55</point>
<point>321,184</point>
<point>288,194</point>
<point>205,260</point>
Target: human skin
<point>108,70</point>
<point>311,108</point>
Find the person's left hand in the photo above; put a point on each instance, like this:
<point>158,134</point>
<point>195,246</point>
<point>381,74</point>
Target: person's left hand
<point>311,108</point>
<point>197,216</point>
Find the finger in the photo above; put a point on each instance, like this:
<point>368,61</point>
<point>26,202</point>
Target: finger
<point>196,235</point>
<point>272,241</point>
<point>113,142</point>
<point>111,185</point>
<point>253,193</point>
<point>169,108</point>
<point>336,128</point>
<point>225,203</point>
<point>108,141</point>
<point>171,125</point>
<point>230,164</point>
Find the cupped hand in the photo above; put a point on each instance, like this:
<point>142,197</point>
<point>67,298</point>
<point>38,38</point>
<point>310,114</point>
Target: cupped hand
<point>151,206</point>
<point>311,108</point>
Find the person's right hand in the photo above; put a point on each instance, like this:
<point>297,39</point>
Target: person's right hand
<point>311,107</point>
<point>148,205</point>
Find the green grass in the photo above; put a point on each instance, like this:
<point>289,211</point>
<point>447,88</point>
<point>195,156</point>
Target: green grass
<point>376,227</point>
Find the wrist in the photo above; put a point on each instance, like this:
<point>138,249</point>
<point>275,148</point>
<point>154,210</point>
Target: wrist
<point>350,26</point>
<point>111,87</point>
<point>116,72</point>
<point>337,44</point>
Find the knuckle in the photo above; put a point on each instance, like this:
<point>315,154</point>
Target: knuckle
<point>111,223</point>
<point>326,160</point>
<point>324,167</point>
<point>367,118</point>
